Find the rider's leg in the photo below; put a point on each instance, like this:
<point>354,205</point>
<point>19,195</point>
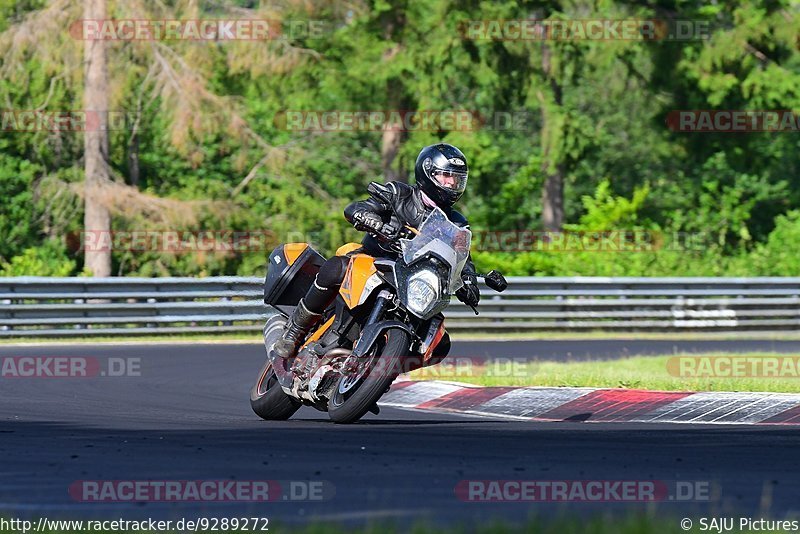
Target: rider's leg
<point>327,284</point>
<point>309,310</point>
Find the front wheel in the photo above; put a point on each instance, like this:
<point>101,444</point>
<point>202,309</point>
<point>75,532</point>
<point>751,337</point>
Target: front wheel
<point>356,394</point>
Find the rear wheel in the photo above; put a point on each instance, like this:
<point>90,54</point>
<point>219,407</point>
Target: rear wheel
<point>267,398</point>
<point>355,394</point>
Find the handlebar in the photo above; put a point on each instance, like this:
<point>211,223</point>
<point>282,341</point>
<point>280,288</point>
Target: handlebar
<point>391,235</point>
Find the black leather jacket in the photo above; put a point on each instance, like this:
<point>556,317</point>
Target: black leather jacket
<point>404,206</point>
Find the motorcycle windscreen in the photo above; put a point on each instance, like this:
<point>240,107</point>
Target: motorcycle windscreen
<point>438,235</point>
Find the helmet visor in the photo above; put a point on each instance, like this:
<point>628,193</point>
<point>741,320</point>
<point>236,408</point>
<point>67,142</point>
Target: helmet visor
<point>450,180</point>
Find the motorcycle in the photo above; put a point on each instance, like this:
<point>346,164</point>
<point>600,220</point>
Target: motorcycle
<point>386,320</point>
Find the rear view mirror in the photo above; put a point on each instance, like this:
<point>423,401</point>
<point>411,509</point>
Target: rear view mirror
<point>495,280</point>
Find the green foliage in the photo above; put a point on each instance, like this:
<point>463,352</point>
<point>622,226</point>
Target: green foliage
<point>596,110</point>
<point>605,211</point>
<point>47,259</point>
<point>779,255</point>
<point>17,226</point>
<point>15,9</point>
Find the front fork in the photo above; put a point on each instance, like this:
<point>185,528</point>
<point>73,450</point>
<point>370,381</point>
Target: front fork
<point>382,302</point>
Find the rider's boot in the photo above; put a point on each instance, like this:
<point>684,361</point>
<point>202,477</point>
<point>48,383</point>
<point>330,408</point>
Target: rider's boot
<point>300,323</point>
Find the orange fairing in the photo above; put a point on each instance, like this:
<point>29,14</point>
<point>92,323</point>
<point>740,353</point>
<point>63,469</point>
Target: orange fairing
<point>436,340</point>
<point>360,268</point>
<point>321,330</point>
<point>347,248</point>
<point>292,251</point>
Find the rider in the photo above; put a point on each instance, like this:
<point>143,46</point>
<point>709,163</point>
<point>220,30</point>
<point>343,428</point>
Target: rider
<point>441,178</point>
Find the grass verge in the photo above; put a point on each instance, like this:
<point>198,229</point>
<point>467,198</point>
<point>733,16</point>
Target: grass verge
<point>662,373</point>
<point>255,337</point>
<point>571,335</point>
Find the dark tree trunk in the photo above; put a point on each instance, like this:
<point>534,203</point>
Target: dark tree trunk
<point>553,165</point>
<point>133,161</point>
<point>389,149</point>
<point>553,200</point>
<point>391,139</point>
<point>393,22</point>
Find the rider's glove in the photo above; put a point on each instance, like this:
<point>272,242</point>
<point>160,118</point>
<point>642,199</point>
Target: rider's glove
<point>366,221</point>
<point>390,232</point>
<point>469,293</point>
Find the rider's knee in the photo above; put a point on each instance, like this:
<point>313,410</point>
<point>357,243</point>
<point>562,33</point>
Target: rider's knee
<point>331,273</point>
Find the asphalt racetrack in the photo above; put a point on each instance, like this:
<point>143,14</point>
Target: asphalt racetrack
<point>183,414</point>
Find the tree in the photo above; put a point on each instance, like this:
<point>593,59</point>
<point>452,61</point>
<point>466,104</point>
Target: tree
<point>553,164</point>
<point>173,82</point>
<point>97,218</point>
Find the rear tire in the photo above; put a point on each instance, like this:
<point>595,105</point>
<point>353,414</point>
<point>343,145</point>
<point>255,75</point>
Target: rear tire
<point>267,398</point>
<point>392,349</point>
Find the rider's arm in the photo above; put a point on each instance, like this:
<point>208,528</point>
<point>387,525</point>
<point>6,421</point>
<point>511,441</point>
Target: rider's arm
<point>369,205</point>
<point>370,215</point>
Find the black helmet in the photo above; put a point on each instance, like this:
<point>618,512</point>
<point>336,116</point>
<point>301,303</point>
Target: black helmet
<point>441,172</point>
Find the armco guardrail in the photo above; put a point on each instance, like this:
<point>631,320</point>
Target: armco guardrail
<point>34,306</point>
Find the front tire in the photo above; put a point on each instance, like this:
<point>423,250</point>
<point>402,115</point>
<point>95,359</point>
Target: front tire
<point>353,405</point>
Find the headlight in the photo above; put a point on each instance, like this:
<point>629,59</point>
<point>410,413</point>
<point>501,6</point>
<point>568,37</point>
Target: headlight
<point>423,292</point>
